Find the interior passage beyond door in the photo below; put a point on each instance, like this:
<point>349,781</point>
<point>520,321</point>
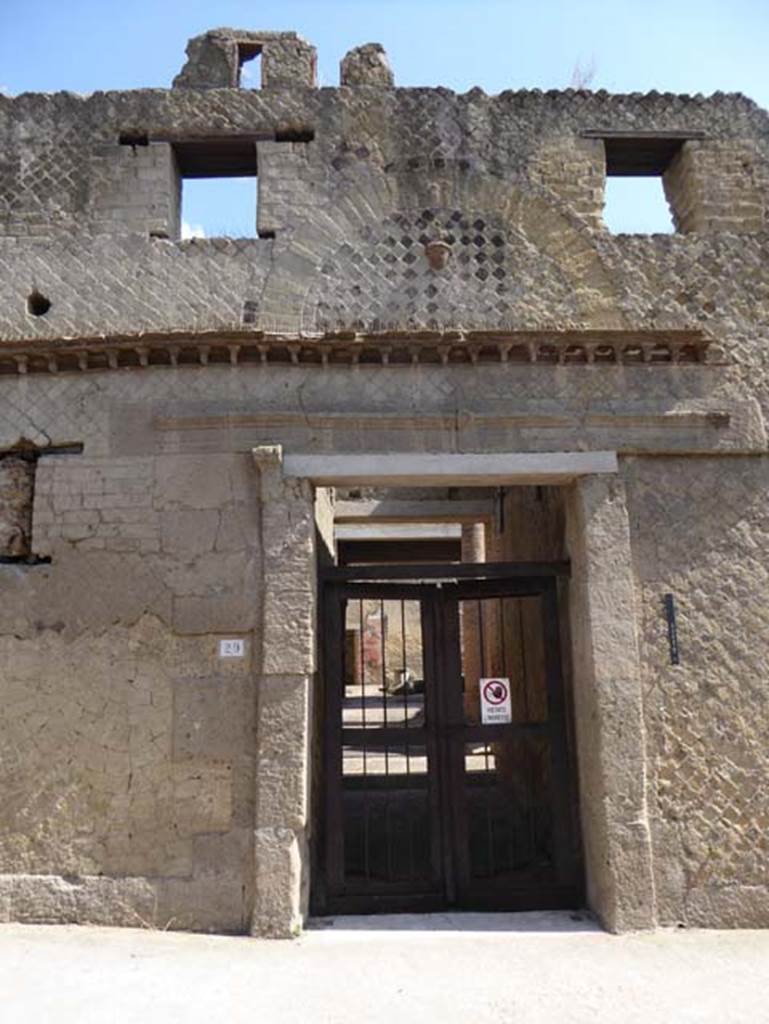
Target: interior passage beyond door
<point>448,778</point>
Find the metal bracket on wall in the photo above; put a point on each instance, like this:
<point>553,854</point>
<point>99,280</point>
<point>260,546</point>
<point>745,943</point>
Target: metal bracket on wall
<point>670,613</point>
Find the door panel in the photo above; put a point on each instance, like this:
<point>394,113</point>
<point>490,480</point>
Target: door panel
<point>426,806</point>
<point>387,798</point>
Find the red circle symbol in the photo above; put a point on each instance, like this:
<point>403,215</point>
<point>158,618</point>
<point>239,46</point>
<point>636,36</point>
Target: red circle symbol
<point>495,691</point>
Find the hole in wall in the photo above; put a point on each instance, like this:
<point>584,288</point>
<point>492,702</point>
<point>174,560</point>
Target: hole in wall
<point>133,139</point>
<point>295,135</point>
<point>218,187</point>
<point>637,206</point>
<point>249,66</point>
<point>37,303</point>
<point>218,207</point>
<point>635,201</point>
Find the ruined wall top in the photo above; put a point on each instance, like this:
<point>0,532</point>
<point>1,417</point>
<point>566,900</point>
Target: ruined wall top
<point>379,208</point>
<point>214,59</point>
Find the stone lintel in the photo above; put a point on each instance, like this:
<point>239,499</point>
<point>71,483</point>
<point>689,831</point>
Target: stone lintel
<point>389,511</point>
<point>449,470</point>
<point>398,531</point>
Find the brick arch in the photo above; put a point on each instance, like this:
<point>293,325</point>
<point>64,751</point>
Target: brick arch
<point>518,259</point>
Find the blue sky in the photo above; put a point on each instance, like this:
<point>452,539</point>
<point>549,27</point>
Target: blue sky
<point>678,45</point>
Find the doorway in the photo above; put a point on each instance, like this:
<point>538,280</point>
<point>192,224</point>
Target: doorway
<point>447,753</point>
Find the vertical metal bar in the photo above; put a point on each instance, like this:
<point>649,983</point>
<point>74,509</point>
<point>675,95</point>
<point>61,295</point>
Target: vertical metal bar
<point>522,648</point>
<point>481,638</point>
<point>333,630</point>
<point>404,675</point>
<point>362,680</point>
<point>366,870</point>
<point>489,823</point>
<point>434,793</point>
<point>388,841</point>
<point>383,646</point>
<point>527,769</point>
<point>489,775</point>
<point>503,636</point>
<point>452,749</point>
<point>503,639</point>
<point>411,869</point>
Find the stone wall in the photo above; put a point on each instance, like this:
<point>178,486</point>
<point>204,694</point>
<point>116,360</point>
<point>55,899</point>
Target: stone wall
<point>699,532</point>
<point>145,779</point>
<point>64,163</point>
<point>134,758</point>
<point>718,186</point>
<point>215,59</point>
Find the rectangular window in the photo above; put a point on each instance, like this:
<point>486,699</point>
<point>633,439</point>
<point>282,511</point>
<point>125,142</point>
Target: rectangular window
<point>250,65</point>
<point>218,188</point>
<point>636,199</point>
<point>636,206</point>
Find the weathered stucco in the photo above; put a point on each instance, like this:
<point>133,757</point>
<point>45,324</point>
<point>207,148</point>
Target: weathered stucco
<point>432,274</point>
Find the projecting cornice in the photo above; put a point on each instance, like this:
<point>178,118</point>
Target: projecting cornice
<point>233,348</point>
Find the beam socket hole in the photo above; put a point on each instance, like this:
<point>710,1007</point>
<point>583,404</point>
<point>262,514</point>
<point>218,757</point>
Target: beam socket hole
<point>37,303</point>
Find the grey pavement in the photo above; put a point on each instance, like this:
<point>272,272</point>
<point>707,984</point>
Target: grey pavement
<point>469,968</point>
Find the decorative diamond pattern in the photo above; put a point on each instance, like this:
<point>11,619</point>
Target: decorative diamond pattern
<point>385,281</point>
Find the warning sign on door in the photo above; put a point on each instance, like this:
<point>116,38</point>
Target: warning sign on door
<point>495,701</point>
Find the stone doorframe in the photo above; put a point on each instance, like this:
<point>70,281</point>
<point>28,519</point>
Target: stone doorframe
<point>605,663</point>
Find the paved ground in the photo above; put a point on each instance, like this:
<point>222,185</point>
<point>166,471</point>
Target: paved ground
<point>470,968</point>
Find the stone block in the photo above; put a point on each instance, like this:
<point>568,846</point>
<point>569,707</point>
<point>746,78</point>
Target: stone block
<point>214,59</point>
<point>193,482</point>
<point>218,895</point>
<point>288,631</point>
<point>213,717</point>
<point>280,856</point>
<point>202,796</point>
<point>231,613</point>
<point>185,533</point>
<point>283,743</point>
<point>366,65</point>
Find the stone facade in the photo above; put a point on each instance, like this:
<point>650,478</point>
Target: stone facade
<point>431,275</point>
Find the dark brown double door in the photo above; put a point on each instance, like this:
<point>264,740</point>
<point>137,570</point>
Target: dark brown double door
<point>425,806</point>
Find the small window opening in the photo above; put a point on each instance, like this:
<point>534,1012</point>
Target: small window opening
<point>250,65</point>
<point>37,303</point>
<point>218,208</point>
<point>218,188</point>
<point>636,206</point>
<point>635,201</point>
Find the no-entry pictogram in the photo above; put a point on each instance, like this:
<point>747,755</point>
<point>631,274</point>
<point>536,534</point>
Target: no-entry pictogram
<point>495,701</point>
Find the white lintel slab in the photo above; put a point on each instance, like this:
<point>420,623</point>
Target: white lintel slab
<point>388,510</point>
<point>452,470</point>
<point>398,531</point>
